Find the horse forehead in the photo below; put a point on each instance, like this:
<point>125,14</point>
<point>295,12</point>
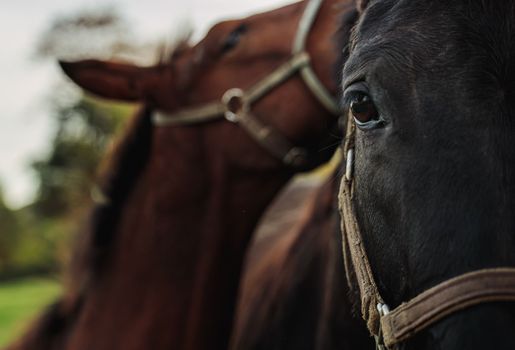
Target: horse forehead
<point>438,19</point>
<point>401,22</point>
<point>476,34</point>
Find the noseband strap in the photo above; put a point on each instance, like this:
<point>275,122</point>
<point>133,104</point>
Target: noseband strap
<point>478,287</point>
<point>389,328</point>
<point>236,104</point>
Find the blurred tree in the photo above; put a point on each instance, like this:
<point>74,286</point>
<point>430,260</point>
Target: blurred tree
<point>37,238</point>
<point>84,125</point>
<point>9,228</point>
<point>100,33</point>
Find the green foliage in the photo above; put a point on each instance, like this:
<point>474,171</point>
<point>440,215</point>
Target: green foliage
<point>41,246</point>
<point>9,227</point>
<point>37,239</point>
<point>20,301</point>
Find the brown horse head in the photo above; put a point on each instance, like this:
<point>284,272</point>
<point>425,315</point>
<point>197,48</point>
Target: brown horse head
<point>234,54</point>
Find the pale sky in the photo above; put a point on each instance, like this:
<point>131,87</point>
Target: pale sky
<point>25,125</point>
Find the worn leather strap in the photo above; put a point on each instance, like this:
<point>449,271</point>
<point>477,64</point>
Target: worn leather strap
<point>353,248</point>
<point>356,254</point>
<point>392,327</point>
<point>478,287</point>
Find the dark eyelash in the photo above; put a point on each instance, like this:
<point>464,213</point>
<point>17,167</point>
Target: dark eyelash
<point>352,92</point>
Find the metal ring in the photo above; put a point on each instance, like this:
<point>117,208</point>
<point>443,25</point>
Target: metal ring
<point>234,101</point>
<point>230,116</point>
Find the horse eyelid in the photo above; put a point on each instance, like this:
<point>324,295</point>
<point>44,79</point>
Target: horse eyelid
<point>373,124</point>
<point>358,87</point>
<point>351,93</point>
<point>233,38</point>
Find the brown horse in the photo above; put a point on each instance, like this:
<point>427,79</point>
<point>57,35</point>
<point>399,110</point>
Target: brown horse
<point>294,294</point>
<point>160,265</point>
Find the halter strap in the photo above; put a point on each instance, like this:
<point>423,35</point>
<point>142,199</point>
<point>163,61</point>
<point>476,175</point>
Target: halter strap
<point>355,256</point>
<point>235,105</point>
<point>392,327</point>
<point>473,288</point>
<point>306,72</point>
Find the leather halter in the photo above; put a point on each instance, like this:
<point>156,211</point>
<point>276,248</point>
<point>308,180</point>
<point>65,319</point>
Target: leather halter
<point>389,328</point>
<point>235,105</point>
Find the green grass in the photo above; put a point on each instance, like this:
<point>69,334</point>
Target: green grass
<point>20,302</point>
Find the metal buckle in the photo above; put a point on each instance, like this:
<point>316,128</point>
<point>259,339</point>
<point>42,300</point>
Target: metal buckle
<point>234,101</point>
<point>349,165</point>
<point>383,310</point>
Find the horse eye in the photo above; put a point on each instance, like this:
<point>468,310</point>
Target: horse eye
<point>364,111</point>
<point>233,38</point>
<point>362,108</point>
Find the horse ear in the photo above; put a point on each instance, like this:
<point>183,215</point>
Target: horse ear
<point>112,80</point>
<point>362,5</point>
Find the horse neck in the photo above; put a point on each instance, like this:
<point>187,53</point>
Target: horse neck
<point>183,234</point>
<point>232,212</point>
<point>300,272</point>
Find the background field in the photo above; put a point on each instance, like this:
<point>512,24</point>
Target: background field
<point>20,301</point>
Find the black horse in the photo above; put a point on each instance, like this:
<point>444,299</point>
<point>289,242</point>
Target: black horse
<point>431,86</point>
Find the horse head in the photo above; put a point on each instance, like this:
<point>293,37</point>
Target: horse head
<point>239,54</point>
<point>429,88</point>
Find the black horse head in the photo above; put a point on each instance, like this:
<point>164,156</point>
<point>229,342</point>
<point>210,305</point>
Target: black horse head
<point>431,85</point>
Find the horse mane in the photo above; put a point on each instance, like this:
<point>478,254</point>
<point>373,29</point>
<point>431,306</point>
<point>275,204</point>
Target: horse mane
<point>124,164</point>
